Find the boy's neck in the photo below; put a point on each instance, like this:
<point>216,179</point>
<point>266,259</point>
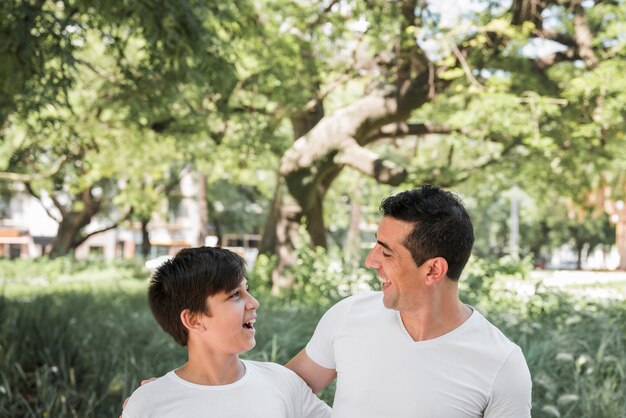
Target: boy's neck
<point>210,371</point>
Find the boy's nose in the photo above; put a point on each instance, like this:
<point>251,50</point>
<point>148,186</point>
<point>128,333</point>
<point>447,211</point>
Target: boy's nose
<point>252,303</point>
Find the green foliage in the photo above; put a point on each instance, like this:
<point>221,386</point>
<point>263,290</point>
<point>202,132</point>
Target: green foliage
<point>481,276</point>
<point>77,350</point>
<point>45,272</point>
<point>572,345</point>
<point>75,359</point>
<point>319,278</point>
<point>140,85</point>
<point>128,93</point>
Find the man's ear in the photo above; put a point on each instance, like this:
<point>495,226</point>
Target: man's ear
<point>438,268</point>
<point>192,321</point>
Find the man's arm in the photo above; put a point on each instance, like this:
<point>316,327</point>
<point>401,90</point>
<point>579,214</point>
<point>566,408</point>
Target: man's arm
<point>512,389</point>
<point>316,376</point>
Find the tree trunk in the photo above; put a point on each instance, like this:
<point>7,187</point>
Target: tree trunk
<point>579,255</point>
<point>320,153</point>
<point>145,238</point>
<point>215,220</point>
<point>70,233</point>
<point>316,158</point>
<point>287,238</point>
<point>69,228</point>
<point>353,238</point>
<point>203,209</point>
<point>269,240</point>
<point>620,241</point>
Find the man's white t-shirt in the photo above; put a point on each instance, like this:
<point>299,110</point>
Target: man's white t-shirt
<point>472,371</point>
<point>266,390</point>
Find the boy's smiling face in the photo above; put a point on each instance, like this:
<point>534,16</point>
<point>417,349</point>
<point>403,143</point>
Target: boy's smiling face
<point>230,323</point>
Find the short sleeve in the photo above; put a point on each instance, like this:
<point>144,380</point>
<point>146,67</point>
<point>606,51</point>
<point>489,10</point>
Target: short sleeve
<point>320,347</point>
<point>512,389</point>
<point>308,403</point>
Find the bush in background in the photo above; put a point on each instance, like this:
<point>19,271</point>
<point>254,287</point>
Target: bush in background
<point>77,346</point>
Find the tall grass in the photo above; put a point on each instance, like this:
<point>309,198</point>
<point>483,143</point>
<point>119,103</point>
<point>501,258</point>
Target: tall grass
<point>575,347</point>
<point>81,340</point>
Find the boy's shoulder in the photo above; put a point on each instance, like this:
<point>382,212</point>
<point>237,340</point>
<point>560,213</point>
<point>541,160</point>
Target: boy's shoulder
<point>144,396</point>
<point>157,385</point>
<point>273,371</point>
<point>266,367</point>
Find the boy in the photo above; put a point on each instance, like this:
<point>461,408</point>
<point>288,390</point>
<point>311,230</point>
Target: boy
<point>201,298</point>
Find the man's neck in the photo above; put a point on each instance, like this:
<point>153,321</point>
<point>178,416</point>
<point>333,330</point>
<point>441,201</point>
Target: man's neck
<point>211,370</point>
<point>436,318</point>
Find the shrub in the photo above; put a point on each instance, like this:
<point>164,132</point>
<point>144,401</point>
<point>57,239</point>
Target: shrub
<point>78,351</point>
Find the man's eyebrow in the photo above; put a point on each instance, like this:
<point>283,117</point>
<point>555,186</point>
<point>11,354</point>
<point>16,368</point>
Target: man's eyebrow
<point>382,244</point>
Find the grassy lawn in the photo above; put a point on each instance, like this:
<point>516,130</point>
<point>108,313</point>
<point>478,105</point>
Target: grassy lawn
<point>76,340</point>
<point>75,344</point>
<point>617,286</point>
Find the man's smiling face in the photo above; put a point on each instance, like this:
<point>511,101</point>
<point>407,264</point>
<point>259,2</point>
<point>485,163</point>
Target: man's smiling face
<point>402,280</point>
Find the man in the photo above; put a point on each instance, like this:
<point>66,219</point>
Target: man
<point>201,298</point>
<point>414,349</point>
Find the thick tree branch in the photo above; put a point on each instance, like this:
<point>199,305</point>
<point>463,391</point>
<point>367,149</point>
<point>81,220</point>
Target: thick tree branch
<point>401,129</point>
<point>85,237</point>
<point>527,11</point>
<point>412,61</point>
<point>33,193</point>
<point>550,35</point>
<point>548,61</point>
<point>465,66</point>
<point>352,72</point>
<point>467,171</point>
<point>584,37</point>
<point>27,178</point>
<point>370,163</point>
<point>321,17</point>
<point>95,70</point>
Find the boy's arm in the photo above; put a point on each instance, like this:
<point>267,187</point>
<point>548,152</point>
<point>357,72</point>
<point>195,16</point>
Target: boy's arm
<point>316,376</point>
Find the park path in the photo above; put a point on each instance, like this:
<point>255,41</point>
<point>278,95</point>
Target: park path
<point>598,282</point>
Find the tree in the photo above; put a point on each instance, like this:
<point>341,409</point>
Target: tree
<point>500,102</point>
<point>105,91</point>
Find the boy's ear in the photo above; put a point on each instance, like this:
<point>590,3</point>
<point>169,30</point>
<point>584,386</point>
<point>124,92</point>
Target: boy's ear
<point>192,321</point>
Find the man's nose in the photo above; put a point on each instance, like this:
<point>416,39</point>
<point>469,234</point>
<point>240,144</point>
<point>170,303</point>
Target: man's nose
<point>371,261</point>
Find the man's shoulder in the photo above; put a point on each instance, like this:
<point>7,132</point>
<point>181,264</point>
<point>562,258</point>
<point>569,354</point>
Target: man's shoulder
<point>361,299</point>
<point>353,308</point>
<point>492,337</point>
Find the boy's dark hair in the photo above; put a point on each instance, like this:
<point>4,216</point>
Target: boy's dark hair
<point>187,280</point>
<point>442,227</point>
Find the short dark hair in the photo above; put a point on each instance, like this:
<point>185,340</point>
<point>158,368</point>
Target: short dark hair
<point>187,280</point>
<point>442,227</point>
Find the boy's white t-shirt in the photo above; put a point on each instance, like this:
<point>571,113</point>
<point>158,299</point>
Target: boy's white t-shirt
<point>266,390</point>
